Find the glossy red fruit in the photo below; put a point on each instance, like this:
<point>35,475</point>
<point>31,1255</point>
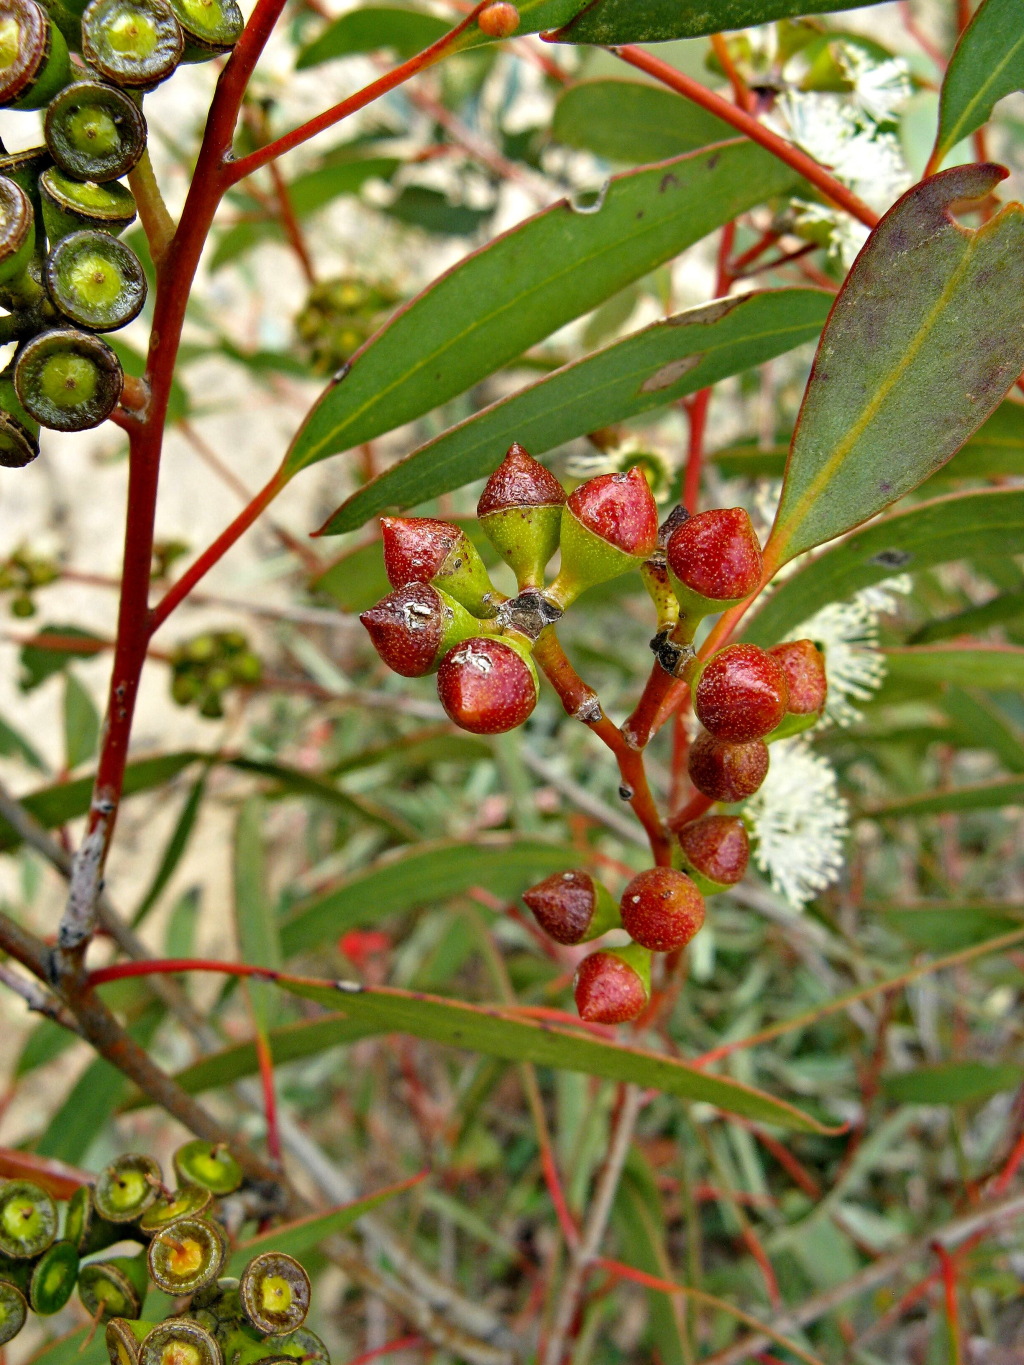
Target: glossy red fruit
<point>415,548</point>
<point>519,481</point>
<point>742,693</point>
<point>662,909</point>
<point>487,686</point>
<point>620,508</point>
<point>498,20</point>
<point>609,989</point>
<point>407,628</point>
<point>725,771</point>
<point>716,554</point>
<point>716,848</point>
<point>571,907</point>
<point>804,666</point>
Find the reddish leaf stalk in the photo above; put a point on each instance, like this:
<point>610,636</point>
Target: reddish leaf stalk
<point>168,966</point>
<point>266,1065</point>
<point>949,1290</point>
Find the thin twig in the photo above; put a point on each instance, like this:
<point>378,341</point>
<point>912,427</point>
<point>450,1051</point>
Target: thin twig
<point>36,997</point>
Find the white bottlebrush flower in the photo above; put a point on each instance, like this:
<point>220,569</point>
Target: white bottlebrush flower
<point>880,88</point>
<point>848,634</point>
<point>799,822</point>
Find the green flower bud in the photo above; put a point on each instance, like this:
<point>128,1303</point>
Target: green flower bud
<point>210,27</point>
<point>185,1256</point>
<point>127,1187</point>
<point>185,1203</point>
<point>19,431</point>
<point>275,1293</point>
<point>69,205</point>
<point>95,131</point>
<point>28,1219</point>
<point>13,1311</point>
<point>609,527</point>
<point>95,280</point>
<point>53,1278</point>
<point>520,510</point>
<point>132,43</point>
<point>179,1342</point>
<point>68,380</point>
<point>114,1288</point>
<point>208,1164</point>
<point>34,60</point>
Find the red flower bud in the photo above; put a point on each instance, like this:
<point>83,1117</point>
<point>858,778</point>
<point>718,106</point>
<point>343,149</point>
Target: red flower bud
<point>415,626</point>
<point>487,685</point>
<point>741,693</point>
<point>609,526</point>
<point>727,772</point>
<point>716,851</point>
<point>804,666</point>
<point>520,510</point>
<point>715,555</point>
<point>425,550</point>
<point>498,20</point>
<point>571,907</point>
<point>662,909</point>
<point>613,986</point>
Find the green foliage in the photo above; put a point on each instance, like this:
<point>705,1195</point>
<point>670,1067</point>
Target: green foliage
<point>653,21</point>
<point>987,64</point>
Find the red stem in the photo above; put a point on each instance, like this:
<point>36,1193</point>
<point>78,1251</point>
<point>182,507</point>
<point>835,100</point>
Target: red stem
<point>266,1065</point>
<point>948,1267</point>
<point>389,1348</point>
<point>744,123</point>
<point>167,966</point>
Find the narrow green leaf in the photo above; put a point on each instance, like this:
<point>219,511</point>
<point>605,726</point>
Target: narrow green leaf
<point>420,876</point>
<point>649,369</point>
<point>632,123</point>
<point>180,934</point>
<point>655,21</point>
<point>1008,606</point>
<point>951,1083</point>
<point>13,744</point>
<point>46,1042</point>
<point>958,526</point>
<point>404,31</point>
<point>527,283</point>
<point>81,723</point>
<point>945,927</point>
<point>39,662</point>
<point>1003,791</point>
<point>979,723</point>
<point>498,1033</point>
<point>300,1237</point>
<point>256,924</point>
<point>922,344</point>
<point>996,667</point>
<point>309,784</point>
<point>175,849</point>
<point>987,64</point>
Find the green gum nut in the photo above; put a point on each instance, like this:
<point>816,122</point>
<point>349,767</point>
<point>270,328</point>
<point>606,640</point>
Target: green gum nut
<point>95,131</point>
<point>69,205</point>
<point>53,1278</point>
<point>186,1256</point>
<point>185,1203</point>
<point>208,1164</point>
<point>13,1311</point>
<point>302,1344</point>
<point>17,237</point>
<point>115,1288</point>
<point>275,1293</point>
<point>124,1337</point>
<point>95,280</point>
<point>78,1217</point>
<point>132,43</point>
<point>587,559</point>
<point>28,1220</point>
<point>19,431</point>
<point>127,1187</point>
<point>34,60</point>
<point>179,1342</point>
<point>69,381</point>
<point>526,538</point>
<point>210,27</point>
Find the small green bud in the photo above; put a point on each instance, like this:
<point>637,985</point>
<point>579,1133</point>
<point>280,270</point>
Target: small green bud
<point>94,131</point>
<point>208,1164</point>
<point>28,1219</point>
<point>185,1203</point>
<point>132,43</point>
<point>69,205</point>
<point>34,61</point>
<point>124,1338</point>
<point>127,1187</point>
<point>520,510</point>
<point>95,280</point>
<point>179,1342</point>
<point>115,1288</point>
<point>210,27</point>
<point>68,380</point>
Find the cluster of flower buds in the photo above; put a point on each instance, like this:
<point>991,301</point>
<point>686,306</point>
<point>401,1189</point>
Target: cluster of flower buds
<point>446,616</point>
<point>64,275</point>
<point>21,574</point>
<point>182,1236</point>
<point>338,316</point>
<point>205,667</point>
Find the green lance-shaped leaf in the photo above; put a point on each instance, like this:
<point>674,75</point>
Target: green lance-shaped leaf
<point>996,667</point>
<point>922,343</point>
<point>499,1033</point>
<point>626,21</point>
<point>527,283</point>
<point>655,366</point>
<point>404,31</point>
<point>632,122</point>
<point>1004,791</point>
<point>986,65</point>
<point>958,526</point>
<point>951,1083</point>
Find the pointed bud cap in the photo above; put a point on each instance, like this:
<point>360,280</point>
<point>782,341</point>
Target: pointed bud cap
<point>725,771</point>
<point>741,694</point>
<point>520,510</point>
<point>662,909</point>
<point>414,627</point>
<point>571,907</point>
<point>425,550</point>
<point>715,851</point>
<point>804,666</point>
<point>715,559</point>
<point>613,986</point>
<point>609,526</point>
<point>488,685</point>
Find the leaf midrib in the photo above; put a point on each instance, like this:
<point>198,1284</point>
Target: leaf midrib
<point>954,134</point>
